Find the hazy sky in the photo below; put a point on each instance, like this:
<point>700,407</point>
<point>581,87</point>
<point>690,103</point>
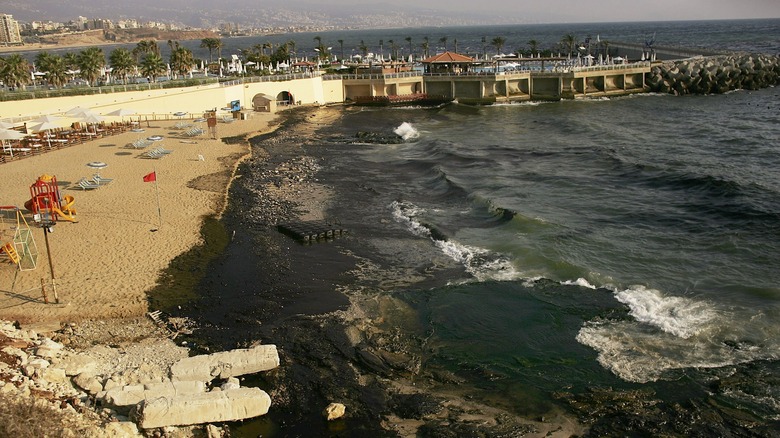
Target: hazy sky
<point>547,11</point>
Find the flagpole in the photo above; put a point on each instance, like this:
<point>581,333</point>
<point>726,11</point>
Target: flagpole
<point>157,191</point>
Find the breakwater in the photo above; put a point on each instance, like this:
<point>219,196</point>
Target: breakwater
<point>714,74</point>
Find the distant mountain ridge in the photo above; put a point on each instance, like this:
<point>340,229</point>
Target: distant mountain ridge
<point>248,13</point>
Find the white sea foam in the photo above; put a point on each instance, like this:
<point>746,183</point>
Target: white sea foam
<point>406,131</point>
<point>579,282</point>
<point>678,316</point>
<point>673,333</point>
<point>406,213</point>
<point>481,263</point>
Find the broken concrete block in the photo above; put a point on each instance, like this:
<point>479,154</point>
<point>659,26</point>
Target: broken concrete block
<point>226,364</point>
<point>210,407</point>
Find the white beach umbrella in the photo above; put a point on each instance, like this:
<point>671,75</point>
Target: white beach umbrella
<point>122,112</point>
<point>6,125</point>
<point>46,123</point>
<point>6,134</point>
<point>92,118</point>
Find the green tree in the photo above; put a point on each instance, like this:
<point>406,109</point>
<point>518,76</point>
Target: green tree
<point>425,46</point>
<point>409,40</point>
<point>443,41</point>
<point>144,47</point>
<point>498,43</point>
<point>90,61</point>
<point>42,60</point>
<point>71,60</point>
<point>211,45</point>
<point>568,41</point>
<point>15,71</point>
<point>341,46</point>
<point>534,45</point>
<point>122,63</point>
<point>182,60</point>
<point>153,66</point>
<point>363,48</point>
<point>56,71</point>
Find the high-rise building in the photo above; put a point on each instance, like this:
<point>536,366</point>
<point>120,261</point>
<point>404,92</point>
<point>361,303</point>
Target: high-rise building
<point>9,30</point>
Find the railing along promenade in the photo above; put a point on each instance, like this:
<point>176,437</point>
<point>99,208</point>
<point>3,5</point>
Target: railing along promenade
<point>32,93</point>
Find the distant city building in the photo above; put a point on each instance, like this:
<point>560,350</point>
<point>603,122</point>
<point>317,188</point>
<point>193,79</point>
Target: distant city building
<point>9,30</point>
<point>100,23</point>
<point>128,24</point>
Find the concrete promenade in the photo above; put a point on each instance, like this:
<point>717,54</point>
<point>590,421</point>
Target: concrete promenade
<point>315,89</point>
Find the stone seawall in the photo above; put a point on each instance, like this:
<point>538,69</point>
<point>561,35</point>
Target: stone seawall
<point>715,74</point>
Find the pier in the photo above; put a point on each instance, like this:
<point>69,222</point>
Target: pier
<point>501,86</point>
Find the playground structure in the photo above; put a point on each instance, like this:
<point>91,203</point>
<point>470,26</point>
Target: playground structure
<point>17,239</point>
<point>46,204</point>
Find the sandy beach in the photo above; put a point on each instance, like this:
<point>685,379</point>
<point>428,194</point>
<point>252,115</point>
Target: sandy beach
<point>106,261</point>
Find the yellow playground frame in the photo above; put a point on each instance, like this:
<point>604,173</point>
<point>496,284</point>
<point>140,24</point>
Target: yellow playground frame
<point>21,250</point>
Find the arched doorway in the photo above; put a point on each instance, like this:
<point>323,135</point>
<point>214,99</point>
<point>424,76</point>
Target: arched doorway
<point>285,98</point>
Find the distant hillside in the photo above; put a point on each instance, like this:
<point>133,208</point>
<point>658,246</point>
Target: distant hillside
<point>98,37</point>
<point>250,13</point>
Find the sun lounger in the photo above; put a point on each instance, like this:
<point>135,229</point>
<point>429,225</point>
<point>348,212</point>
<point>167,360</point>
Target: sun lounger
<point>192,132</point>
<point>86,185</point>
<point>139,144</point>
<point>156,153</point>
<point>99,180</point>
<point>182,125</point>
<point>228,119</point>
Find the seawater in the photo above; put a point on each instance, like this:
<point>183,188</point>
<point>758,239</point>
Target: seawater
<point>575,247</point>
<point>629,242</point>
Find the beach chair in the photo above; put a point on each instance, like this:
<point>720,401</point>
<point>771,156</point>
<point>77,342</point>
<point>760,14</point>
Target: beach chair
<point>99,180</point>
<point>156,153</point>
<point>162,150</point>
<point>193,132</point>
<point>86,185</point>
<point>227,119</point>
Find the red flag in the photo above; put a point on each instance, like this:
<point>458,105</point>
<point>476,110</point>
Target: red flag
<point>152,177</point>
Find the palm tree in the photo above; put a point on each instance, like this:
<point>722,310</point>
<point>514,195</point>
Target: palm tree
<point>211,45</point>
<point>569,40</point>
<point>71,60</point>
<point>152,66</point>
<point>425,47</point>
<point>15,71</point>
<point>322,53</point>
<point>409,40</point>
<point>42,60</point>
<point>392,49</point>
<point>534,45</point>
<point>122,63</point>
<point>290,48</point>
<point>145,47</point>
<point>443,40</point>
<point>91,60</point>
<point>182,60</point>
<point>56,71</point>
<point>341,45</point>
<point>455,43</point>
<point>363,48</point>
<point>498,43</point>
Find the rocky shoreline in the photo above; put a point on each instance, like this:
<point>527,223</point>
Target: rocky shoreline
<point>715,74</point>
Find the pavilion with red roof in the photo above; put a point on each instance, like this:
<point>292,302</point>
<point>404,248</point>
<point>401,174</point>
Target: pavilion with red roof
<point>448,62</point>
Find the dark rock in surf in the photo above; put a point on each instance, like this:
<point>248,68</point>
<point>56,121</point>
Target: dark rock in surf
<point>378,137</point>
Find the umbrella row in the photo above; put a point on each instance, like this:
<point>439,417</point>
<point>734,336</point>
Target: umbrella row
<point>47,123</point>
